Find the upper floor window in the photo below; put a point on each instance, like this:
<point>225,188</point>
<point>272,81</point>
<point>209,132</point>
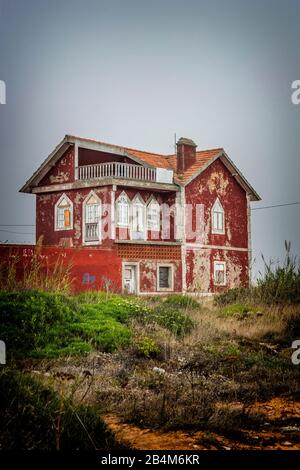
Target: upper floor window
<point>217,217</point>
<point>153,215</point>
<point>64,213</point>
<point>138,218</point>
<point>91,230</point>
<point>123,210</point>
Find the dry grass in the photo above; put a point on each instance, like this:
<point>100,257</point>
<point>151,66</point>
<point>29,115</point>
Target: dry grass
<point>35,274</point>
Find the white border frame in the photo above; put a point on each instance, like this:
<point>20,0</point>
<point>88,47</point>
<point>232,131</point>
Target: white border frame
<point>63,229</point>
<point>139,198</point>
<point>96,242</point>
<point>165,289</point>
<point>117,223</point>
<point>225,274</point>
<point>213,230</point>
<point>151,200</point>
<point>137,272</point>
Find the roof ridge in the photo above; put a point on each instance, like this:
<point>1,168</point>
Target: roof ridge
<point>115,145</point>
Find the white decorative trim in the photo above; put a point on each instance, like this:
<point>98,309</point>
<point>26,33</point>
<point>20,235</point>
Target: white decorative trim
<point>137,266</point>
<point>214,278</point>
<point>153,200</point>
<point>122,194</point>
<point>198,246</point>
<point>214,230</point>
<point>76,161</point>
<point>60,229</point>
<point>165,265</point>
<point>139,200</point>
<point>94,242</point>
<point>113,213</point>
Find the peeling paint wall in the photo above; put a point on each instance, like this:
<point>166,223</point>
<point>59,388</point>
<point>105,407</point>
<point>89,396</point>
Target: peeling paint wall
<point>62,172</point>
<point>149,257</point>
<point>200,269</point>
<point>89,268</point>
<point>45,213</point>
<point>217,182</point>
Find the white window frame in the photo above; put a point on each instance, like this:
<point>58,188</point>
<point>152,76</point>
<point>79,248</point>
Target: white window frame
<point>153,202</point>
<point>223,263</point>
<point>85,203</point>
<point>121,224</point>
<point>171,275</point>
<point>138,201</point>
<point>56,207</point>
<point>215,229</point>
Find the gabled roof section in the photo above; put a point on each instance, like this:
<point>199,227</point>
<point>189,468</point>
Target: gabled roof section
<point>204,159</point>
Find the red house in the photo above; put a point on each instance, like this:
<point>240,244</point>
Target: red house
<point>174,223</point>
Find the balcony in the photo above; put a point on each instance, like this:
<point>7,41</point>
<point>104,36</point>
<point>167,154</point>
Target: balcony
<point>125,171</point>
<point>91,232</point>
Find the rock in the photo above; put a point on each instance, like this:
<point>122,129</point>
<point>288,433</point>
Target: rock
<point>158,370</point>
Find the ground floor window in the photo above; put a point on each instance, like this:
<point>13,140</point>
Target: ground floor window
<point>220,273</point>
<point>165,277</point>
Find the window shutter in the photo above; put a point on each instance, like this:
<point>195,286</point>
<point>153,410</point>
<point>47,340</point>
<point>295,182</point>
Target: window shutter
<point>67,218</point>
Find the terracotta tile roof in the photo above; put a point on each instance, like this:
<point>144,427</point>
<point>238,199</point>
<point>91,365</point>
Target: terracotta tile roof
<point>164,161</point>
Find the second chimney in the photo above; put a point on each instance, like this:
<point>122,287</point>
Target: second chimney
<point>186,154</point>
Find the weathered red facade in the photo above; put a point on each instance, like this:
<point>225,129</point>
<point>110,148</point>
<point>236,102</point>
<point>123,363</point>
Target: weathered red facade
<point>196,237</point>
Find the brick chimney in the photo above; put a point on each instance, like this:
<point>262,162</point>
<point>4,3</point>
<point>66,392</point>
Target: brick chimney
<point>186,154</point>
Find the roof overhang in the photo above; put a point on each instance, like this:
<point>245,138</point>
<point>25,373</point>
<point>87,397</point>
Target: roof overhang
<point>60,149</point>
<point>235,172</point>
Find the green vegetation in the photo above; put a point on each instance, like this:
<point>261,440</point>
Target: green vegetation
<point>147,347</point>
<point>44,324</point>
<point>279,284</point>
<point>182,301</point>
<point>35,417</point>
<point>237,309</point>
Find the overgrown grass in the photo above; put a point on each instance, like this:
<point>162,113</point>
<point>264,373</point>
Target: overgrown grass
<point>278,284</point>
<point>33,417</point>
<point>182,301</point>
<point>15,274</point>
<point>44,324</point>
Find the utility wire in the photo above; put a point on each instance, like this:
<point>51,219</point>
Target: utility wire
<point>17,233</point>
<point>16,225</point>
<point>276,205</point>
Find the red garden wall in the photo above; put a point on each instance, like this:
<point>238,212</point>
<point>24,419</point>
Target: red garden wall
<point>90,268</point>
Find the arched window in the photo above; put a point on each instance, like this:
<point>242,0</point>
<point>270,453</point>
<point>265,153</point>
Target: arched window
<point>153,215</point>
<point>138,218</point>
<point>122,210</point>
<point>217,217</point>
<point>92,213</point>
<point>63,213</point>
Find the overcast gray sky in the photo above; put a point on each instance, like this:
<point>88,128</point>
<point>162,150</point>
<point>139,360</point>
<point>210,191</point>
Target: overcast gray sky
<point>134,72</point>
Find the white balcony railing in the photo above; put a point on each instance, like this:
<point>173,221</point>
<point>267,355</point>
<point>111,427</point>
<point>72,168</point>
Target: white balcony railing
<point>116,170</point>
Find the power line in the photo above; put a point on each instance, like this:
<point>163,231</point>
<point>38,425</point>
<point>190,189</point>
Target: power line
<point>17,233</point>
<point>275,205</point>
<point>16,225</point>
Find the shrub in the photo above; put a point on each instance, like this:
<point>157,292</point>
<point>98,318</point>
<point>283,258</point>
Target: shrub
<point>34,417</point>
<point>44,324</point>
<point>27,318</point>
<point>147,347</point>
<point>182,301</point>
